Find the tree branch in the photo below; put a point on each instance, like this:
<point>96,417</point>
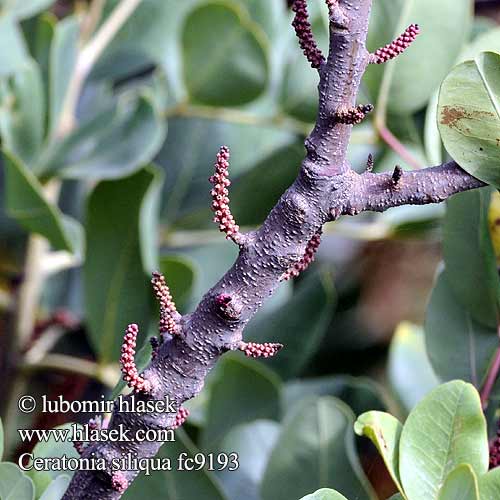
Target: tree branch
<point>379,192</point>
<point>325,189</point>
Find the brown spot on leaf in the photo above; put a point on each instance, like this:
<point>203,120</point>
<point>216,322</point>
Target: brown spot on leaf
<point>450,115</point>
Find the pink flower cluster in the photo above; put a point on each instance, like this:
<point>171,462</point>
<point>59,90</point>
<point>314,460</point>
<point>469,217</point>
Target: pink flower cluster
<point>181,417</point>
<point>303,264</point>
<point>266,350</point>
<point>396,47</point>
<point>119,482</point>
<point>495,450</point>
<point>127,362</point>
<point>220,196</point>
<point>305,35</point>
<point>168,310</point>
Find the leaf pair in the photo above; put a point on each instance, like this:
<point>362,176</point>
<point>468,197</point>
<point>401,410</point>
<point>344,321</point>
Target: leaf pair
<point>441,452</point>
<point>17,485</point>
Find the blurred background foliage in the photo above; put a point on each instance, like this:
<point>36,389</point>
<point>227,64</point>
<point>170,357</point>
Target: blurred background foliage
<point>124,191</point>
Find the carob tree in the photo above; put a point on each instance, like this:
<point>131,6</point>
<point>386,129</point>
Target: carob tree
<point>326,188</point>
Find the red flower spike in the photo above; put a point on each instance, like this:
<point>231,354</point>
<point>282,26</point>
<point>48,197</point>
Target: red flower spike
<point>309,255</point>
<point>181,417</point>
<point>119,482</point>
<point>168,310</point>
<point>266,350</point>
<point>353,116</point>
<point>396,47</point>
<point>305,35</point>
<point>495,450</point>
<point>127,362</point>
<point>220,197</point>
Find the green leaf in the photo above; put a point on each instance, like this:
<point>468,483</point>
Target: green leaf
<point>117,291</point>
<point>444,430</point>
<point>315,450</point>
<point>22,112</point>
<point>413,76</point>
<point>359,393</point>
<point>244,391</point>
<point>14,485</point>
<point>489,485</point>
<point>486,42</point>
<point>384,431</point>
<point>409,361</point>
<point>149,35</point>
<point>63,53</point>
<point>22,9</point>
<point>188,155</point>
<point>42,479</point>
<point>270,179</point>
<point>56,449</point>
<point>469,116</point>
<point>299,324</point>
<point>481,26</point>
<point>449,324</point>
<point>433,143</point>
<point>269,14</point>
<point>11,37</point>
<point>210,263</point>
<point>253,443</point>
<point>460,484</point>
<point>56,488</point>
<point>180,275</point>
<point>26,202</point>
<point>469,256</point>
<point>324,494</point>
<point>237,71</point>
<point>176,484</point>
<point>114,143</point>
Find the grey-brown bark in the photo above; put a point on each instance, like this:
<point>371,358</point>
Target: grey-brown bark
<point>325,189</point>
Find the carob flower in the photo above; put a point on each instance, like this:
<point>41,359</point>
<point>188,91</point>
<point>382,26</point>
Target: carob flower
<point>396,47</point>
<point>220,197</point>
<point>181,417</point>
<point>127,362</point>
<point>305,35</point>
<point>303,264</point>
<point>168,311</point>
<point>495,450</point>
<point>119,482</point>
<point>266,350</point>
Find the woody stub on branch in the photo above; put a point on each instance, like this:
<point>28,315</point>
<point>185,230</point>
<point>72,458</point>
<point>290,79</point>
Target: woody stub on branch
<point>326,188</point>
